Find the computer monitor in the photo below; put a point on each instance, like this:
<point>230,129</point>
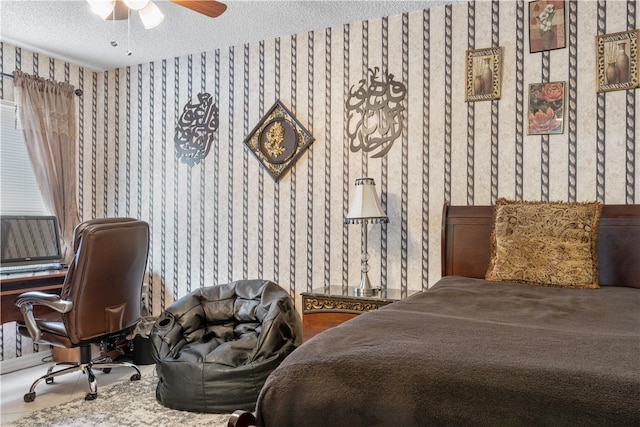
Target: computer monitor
<point>26,240</point>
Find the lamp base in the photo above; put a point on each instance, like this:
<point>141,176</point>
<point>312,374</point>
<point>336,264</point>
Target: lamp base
<point>366,292</point>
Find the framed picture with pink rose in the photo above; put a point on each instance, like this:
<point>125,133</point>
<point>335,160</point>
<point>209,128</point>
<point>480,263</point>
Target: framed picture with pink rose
<point>546,108</point>
<point>617,57</point>
<point>546,25</point>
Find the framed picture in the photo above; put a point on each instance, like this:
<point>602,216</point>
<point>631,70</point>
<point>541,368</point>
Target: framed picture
<point>278,140</point>
<point>484,72</point>
<point>617,61</point>
<point>546,25</point>
<point>546,108</point>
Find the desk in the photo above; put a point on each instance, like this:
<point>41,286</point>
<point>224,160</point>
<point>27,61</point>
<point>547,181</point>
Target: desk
<point>12,285</point>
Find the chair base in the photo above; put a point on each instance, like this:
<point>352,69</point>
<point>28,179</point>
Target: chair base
<point>105,364</point>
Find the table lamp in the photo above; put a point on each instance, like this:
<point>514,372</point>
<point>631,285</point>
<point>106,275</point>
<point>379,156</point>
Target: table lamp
<point>365,208</point>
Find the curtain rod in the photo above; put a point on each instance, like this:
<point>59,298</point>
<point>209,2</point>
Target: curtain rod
<point>78,92</point>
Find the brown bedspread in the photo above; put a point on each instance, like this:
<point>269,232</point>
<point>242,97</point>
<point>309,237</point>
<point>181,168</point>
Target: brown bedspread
<point>469,352</point>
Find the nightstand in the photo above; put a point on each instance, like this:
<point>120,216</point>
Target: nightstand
<point>322,311</point>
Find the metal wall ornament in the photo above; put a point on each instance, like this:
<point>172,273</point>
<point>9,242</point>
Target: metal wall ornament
<point>374,113</point>
<point>195,129</point>
<point>278,140</point>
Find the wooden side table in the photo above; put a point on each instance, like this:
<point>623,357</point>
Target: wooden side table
<point>321,311</point>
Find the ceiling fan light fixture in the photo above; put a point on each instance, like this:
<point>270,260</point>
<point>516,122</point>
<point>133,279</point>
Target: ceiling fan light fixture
<point>137,4</point>
<point>151,16</point>
<point>102,8</point>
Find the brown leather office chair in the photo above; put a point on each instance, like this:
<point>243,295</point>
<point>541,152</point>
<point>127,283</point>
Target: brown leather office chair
<point>100,300</point>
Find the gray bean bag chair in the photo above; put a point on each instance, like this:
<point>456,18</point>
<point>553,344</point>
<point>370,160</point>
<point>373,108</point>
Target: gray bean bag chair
<point>215,347</point>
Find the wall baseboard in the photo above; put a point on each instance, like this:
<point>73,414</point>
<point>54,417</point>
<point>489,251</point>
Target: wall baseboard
<point>23,362</point>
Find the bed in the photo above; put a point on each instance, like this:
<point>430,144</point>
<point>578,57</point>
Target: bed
<point>475,352</point>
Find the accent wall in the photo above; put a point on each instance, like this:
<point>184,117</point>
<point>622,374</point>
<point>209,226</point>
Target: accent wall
<point>226,218</point>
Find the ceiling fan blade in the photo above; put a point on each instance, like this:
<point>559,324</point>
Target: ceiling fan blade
<point>210,8</point>
<point>120,11</point>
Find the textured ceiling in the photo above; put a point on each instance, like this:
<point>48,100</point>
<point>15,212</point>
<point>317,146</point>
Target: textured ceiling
<point>69,31</point>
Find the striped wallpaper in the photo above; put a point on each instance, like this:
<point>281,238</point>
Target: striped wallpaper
<point>226,218</point>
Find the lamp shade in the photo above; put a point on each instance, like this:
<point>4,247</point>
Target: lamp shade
<point>365,206</point>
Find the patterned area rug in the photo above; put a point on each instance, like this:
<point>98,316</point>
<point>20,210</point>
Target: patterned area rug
<point>127,403</point>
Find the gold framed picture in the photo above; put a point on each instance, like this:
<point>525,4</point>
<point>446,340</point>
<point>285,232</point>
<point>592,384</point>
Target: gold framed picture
<point>278,140</point>
<point>484,74</point>
<point>546,108</point>
<point>617,61</point>
<point>546,25</point>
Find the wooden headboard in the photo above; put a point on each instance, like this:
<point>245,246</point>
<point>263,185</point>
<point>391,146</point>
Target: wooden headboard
<point>466,250</point>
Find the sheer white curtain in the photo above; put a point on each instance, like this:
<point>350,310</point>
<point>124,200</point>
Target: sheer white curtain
<point>47,114</point>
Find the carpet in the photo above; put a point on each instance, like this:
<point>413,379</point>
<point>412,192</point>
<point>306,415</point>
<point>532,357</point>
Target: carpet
<point>127,403</point>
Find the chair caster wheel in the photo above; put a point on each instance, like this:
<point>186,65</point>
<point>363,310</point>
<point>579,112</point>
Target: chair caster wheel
<point>49,380</point>
<point>135,377</point>
<point>106,370</point>
<point>30,397</point>
<point>91,396</point>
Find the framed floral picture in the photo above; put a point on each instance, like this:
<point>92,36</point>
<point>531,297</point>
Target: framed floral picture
<point>617,61</point>
<point>546,108</point>
<point>484,74</point>
<point>546,25</point>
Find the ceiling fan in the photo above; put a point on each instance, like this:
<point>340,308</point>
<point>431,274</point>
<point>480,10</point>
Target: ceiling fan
<point>149,12</point>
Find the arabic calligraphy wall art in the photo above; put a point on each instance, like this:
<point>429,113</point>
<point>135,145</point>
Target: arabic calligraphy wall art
<point>195,129</point>
<point>278,140</point>
<point>375,113</point>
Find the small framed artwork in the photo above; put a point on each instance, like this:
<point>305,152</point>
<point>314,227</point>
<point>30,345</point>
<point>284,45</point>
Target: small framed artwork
<point>484,74</point>
<point>278,140</point>
<point>546,25</point>
<point>546,108</point>
<point>617,61</point>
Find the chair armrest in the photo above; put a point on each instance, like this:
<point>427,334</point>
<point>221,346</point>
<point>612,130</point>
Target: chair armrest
<point>52,301</point>
<point>27,300</point>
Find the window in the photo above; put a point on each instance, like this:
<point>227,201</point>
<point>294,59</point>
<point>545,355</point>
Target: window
<point>19,191</point>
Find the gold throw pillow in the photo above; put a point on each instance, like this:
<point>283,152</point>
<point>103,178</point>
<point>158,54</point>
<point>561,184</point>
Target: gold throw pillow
<point>545,243</point>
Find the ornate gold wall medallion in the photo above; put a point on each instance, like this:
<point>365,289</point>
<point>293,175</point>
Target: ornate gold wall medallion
<point>278,140</point>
